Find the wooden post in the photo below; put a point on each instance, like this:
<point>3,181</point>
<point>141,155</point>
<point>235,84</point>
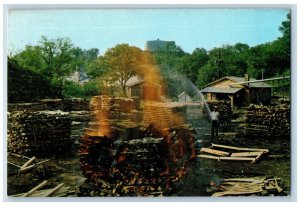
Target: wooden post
<point>27,194</point>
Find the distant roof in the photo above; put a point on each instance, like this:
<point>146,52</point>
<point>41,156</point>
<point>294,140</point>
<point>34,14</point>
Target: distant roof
<point>137,80</point>
<point>183,93</point>
<point>220,90</point>
<point>242,79</point>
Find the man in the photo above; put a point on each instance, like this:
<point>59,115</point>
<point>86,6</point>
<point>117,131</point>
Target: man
<point>214,116</point>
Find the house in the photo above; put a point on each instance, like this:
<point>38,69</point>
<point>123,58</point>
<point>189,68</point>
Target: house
<point>143,88</point>
<point>78,76</point>
<point>238,94</point>
<point>184,97</point>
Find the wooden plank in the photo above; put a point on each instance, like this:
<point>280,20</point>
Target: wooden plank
<point>27,194</point>
<point>40,193</point>
<point>216,152</point>
<point>31,166</point>
<point>257,158</point>
<point>209,157</point>
<point>237,158</point>
<point>51,191</point>
<point>245,154</point>
<point>238,148</point>
<point>28,162</point>
<point>244,179</point>
<point>220,194</point>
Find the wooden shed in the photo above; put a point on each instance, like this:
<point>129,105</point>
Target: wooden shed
<point>184,97</point>
<point>144,89</point>
<point>239,95</point>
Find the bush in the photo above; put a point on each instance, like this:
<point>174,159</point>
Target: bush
<point>87,90</point>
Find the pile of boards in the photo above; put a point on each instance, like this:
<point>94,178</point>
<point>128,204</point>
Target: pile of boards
<point>223,107</point>
<point>58,191</point>
<point>267,121</point>
<point>260,186</point>
<point>40,133</point>
<point>231,153</point>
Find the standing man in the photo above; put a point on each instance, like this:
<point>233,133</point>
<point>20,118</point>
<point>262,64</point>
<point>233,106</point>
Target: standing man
<point>214,116</point>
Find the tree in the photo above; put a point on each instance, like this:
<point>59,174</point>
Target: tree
<point>121,62</point>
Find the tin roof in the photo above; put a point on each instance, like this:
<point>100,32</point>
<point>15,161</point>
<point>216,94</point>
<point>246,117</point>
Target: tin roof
<point>220,90</point>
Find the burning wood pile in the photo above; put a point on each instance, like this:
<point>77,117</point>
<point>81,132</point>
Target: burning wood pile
<point>267,121</point>
<point>41,134</point>
<point>223,107</point>
<point>126,158</point>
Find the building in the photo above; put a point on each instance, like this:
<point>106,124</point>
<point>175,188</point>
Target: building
<point>78,76</point>
<point>239,94</point>
<point>144,89</point>
<point>158,45</point>
<point>184,97</point>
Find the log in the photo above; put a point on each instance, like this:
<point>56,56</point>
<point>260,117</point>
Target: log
<point>245,154</point>
<point>239,148</point>
<point>212,151</point>
<point>51,191</point>
<point>28,162</point>
<point>27,194</point>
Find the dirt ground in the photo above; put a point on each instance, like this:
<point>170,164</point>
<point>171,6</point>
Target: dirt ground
<point>66,169</point>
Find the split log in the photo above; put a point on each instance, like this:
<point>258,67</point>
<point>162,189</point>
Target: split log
<point>216,152</point>
<point>220,194</point>
<point>209,157</point>
<point>237,158</point>
<point>62,191</point>
<point>257,158</point>
<point>27,194</point>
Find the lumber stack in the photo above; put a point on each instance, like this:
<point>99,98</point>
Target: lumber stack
<point>231,153</point>
<point>259,186</point>
<point>267,121</point>
<point>223,107</point>
<point>41,133</point>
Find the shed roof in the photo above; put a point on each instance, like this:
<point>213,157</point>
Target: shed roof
<point>220,90</point>
<point>242,79</point>
<point>136,80</point>
<point>183,93</point>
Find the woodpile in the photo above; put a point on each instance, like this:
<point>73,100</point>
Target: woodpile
<point>259,186</point>
<point>267,121</point>
<point>37,106</point>
<point>223,107</point>
<point>76,104</point>
<point>104,102</point>
<point>42,133</point>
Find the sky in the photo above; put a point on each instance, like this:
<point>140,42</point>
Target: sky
<point>104,28</point>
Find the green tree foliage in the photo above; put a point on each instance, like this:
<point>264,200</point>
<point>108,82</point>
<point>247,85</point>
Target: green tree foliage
<point>118,64</point>
<point>190,63</point>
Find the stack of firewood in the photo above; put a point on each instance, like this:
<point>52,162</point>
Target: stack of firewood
<point>105,103</point>
<point>270,121</point>
<point>40,133</point>
<point>223,107</point>
<point>76,104</point>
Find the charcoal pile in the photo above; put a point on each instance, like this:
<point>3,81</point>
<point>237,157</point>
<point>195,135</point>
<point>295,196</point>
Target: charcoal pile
<point>267,121</point>
<point>223,107</point>
<point>76,104</point>
<point>41,134</point>
<point>140,156</point>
